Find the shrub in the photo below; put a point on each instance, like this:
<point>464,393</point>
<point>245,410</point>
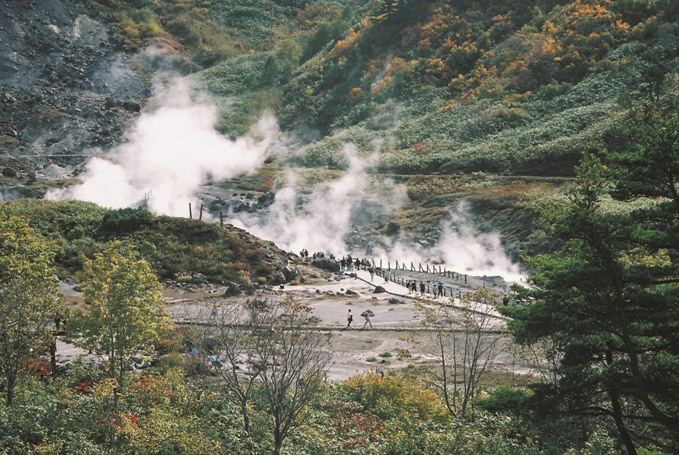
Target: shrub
<point>125,221</point>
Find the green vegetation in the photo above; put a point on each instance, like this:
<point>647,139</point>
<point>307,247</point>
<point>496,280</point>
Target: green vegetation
<point>501,87</point>
<point>176,248</point>
<point>28,297</point>
<point>607,302</point>
<point>126,311</point>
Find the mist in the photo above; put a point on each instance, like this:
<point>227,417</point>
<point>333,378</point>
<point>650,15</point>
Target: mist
<point>462,248</point>
<point>172,149</point>
<point>326,219</point>
<point>321,220</point>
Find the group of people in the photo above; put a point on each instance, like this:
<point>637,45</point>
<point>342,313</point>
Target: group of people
<point>437,289</point>
<point>349,263</point>
<point>318,255</point>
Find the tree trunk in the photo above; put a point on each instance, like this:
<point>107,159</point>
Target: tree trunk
<point>277,445</point>
<point>10,393</point>
<point>53,356</point>
<point>617,415</point>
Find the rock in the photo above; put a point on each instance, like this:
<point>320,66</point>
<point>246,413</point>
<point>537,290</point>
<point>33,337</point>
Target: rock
<point>379,290</point>
<point>232,289</point>
<point>350,292</point>
<point>249,289</point>
<point>326,264</point>
<point>392,229</point>
<point>278,278</point>
<point>198,278</point>
<point>289,273</point>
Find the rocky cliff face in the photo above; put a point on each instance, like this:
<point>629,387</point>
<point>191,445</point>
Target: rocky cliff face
<point>68,88</point>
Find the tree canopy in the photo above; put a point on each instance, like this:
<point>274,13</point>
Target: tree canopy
<point>609,299</point>
<point>29,299</point>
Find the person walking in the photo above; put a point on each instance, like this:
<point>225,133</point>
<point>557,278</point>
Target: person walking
<point>350,319</point>
<point>372,273</point>
<point>422,288</point>
<point>366,314</point>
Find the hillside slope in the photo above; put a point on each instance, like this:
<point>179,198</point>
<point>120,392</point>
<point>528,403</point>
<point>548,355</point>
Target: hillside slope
<point>489,102</point>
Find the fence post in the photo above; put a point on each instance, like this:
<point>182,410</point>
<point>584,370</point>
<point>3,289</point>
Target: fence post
<point>200,216</point>
<point>412,267</point>
<point>221,219</point>
<point>190,215</point>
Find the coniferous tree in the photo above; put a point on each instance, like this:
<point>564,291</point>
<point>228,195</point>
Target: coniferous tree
<point>609,299</point>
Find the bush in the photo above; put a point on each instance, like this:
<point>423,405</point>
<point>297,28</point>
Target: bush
<point>125,221</point>
<point>505,399</point>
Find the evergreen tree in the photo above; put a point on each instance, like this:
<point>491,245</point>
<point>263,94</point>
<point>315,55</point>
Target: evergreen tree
<point>609,300</point>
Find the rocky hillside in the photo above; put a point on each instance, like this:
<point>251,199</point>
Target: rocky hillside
<point>69,86</point>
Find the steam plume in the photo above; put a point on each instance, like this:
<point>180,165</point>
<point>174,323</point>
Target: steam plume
<point>170,152</point>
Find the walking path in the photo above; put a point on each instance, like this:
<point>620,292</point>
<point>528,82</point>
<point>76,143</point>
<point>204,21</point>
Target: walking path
<point>402,291</point>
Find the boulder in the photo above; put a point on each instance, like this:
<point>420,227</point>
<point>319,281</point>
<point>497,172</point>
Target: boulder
<point>392,229</point>
<point>278,278</point>
<point>289,273</point>
<point>232,289</point>
<point>379,290</point>
<point>326,264</point>
<point>198,278</point>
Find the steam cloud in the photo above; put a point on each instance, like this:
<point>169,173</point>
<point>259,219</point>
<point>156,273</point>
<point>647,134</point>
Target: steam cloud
<point>170,152</point>
<point>462,248</point>
<point>323,221</point>
<point>174,148</point>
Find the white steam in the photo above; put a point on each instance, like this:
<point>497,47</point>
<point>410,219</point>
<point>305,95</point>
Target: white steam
<point>171,151</point>
<point>323,220</point>
<point>461,248</point>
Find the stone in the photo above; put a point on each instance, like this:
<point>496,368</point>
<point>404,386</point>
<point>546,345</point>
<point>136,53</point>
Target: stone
<point>232,289</point>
